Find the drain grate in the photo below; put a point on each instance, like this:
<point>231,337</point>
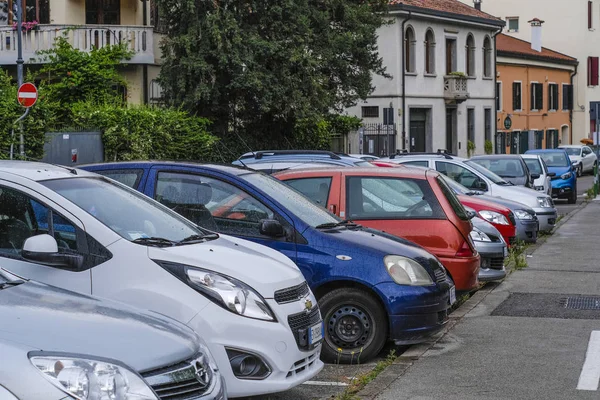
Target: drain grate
<point>581,303</point>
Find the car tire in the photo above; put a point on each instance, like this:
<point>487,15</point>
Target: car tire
<point>360,310</point>
<point>573,196</point>
<point>579,170</point>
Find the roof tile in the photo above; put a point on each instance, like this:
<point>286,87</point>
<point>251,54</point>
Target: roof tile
<point>449,6</point>
<point>509,44</point>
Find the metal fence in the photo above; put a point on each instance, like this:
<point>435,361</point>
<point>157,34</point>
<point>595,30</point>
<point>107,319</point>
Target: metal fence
<point>378,139</point>
<point>73,148</point>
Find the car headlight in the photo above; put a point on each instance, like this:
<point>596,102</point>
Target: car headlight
<point>544,202</point>
<point>494,217</point>
<point>479,236</point>
<point>566,176</point>
<point>229,293</point>
<point>89,379</point>
<point>405,271</point>
<point>523,215</point>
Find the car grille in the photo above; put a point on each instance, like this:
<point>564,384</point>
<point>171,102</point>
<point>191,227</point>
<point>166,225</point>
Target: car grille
<point>177,382</point>
<point>511,216</point>
<point>440,275</point>
<point>292,294</point>
<point>300,324</point>
<point>303,365</point>
<point>497,263</point>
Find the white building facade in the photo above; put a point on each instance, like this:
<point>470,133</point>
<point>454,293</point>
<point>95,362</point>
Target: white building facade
<point>570,27</point>
<point>448,103</point>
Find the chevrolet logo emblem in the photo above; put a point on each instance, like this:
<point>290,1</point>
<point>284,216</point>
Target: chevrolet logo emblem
<point>308,305</point>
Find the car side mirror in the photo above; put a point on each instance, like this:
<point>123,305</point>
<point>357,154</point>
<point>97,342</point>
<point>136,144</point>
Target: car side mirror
<point>271,228</point>
<point>535,176</point>
<point>471,214</point>
<point>480,185</point>
<point>43,249</point>
<point>551,174</point>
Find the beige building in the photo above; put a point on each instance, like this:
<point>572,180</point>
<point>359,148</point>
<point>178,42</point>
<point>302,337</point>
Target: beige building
<point>89,23</point>
<point>571,27</point>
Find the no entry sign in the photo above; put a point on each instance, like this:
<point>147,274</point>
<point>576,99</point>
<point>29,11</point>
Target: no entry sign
<point>27,95</point>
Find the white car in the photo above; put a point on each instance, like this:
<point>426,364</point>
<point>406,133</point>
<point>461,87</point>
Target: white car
<point>251,304</point>
<point>477,178</point>
<point>582,157</point>
<point>537,165</point>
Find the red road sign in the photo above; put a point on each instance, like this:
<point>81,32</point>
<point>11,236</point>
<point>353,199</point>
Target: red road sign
<point>27,95</point>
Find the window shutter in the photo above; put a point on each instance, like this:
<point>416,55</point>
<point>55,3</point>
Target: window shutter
<point>516,96</point>
<point>592,71</point>
<point>532,97</point>
<point>539,96</point>
<point>570,97</point>
<point>590,25</point>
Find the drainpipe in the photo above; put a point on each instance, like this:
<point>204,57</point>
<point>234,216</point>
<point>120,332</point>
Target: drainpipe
<point>495,117</point>
<point>404,80</point>
<point>145,66</point>
<point>572,105</point>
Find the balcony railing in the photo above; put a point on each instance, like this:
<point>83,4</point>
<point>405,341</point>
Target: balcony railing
<point>456,89</point>
<point>139,39</point>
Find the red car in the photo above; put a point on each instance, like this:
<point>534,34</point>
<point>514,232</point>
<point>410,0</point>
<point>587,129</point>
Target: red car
<point>414,204</point>
<point>499,216</point>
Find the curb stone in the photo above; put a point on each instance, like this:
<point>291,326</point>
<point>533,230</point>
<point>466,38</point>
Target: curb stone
<point>415,352</point>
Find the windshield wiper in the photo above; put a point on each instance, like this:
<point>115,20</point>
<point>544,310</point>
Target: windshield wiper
<point>347,223</point>
<point>4,285</point>
<point>155,241</point>
<point>197,239</point>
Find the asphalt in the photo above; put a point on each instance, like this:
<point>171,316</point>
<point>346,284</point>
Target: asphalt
<point>518,342</point>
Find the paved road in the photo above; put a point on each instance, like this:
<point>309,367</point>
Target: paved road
<point>583,184</point>
<point>528,338</point>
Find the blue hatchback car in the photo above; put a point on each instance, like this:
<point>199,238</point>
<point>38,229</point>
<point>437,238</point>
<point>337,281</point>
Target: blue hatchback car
<point>564,183</point>
<point>371,287</point>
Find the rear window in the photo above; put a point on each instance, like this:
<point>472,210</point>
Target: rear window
<point>453,200</point>
<point>391,198</point>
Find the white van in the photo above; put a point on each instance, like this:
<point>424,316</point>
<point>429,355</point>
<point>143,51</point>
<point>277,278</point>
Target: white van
<point>250,303</point>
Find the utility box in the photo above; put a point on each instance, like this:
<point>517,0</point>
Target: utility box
<point>73,148</point>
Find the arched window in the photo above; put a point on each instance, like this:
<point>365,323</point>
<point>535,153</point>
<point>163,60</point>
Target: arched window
<point>487,57</point>
<point>429,52</point>
<point>409,50</point>
<point>470,55</point>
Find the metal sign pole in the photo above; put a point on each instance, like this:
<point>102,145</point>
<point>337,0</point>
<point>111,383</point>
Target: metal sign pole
<point>20,63</point>
<point>13,135</point>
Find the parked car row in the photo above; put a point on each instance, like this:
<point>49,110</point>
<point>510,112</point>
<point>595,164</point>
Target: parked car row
<point>231,282</point>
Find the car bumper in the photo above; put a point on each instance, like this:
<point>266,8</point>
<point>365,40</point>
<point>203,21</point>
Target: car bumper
<point>463,271</point>
<point>527,230</point>
<point>563,188</point>
<point>272,342</point>
<point>416,312</point>
<point>492,261</point>
<point>546,218</point>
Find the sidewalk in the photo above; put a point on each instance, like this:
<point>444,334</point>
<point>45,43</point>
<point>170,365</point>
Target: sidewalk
<point>521,342</point>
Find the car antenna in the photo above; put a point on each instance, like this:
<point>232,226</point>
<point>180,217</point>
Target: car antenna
<point>27,158</point>
<point>245,144</point>
<point>239,159</point>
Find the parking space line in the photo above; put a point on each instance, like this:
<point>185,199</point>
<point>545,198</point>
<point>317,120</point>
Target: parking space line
<point>319,383</point>
<point>590,373</point>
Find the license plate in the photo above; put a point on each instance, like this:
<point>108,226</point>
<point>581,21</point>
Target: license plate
<point>315,333</point>
<point>452,295</point>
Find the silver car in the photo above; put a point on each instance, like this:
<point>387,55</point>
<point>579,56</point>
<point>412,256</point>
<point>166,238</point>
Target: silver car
<point>57,344</point>
<point>491,247</point>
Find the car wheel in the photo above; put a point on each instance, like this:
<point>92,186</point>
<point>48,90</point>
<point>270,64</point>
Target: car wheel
<point>579,170</point>
<point>573,197</point>
<point>356,326</point>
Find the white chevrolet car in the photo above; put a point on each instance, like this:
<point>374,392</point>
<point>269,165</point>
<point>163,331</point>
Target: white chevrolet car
<point>250,303</point>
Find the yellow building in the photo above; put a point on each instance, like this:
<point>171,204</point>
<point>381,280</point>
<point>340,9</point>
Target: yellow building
<point>89,23</point>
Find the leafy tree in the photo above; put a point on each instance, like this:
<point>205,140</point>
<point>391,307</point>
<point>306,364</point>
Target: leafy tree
<point>259,66</point>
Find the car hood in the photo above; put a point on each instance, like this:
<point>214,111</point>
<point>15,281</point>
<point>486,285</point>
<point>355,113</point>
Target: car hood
<point>264,269</point>
<point>575,158</point>
<point>50,319</point>
<point>559,171</point>
<point>511,204</point>
<point>519,180</point>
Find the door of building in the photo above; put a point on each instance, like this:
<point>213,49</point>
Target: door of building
<point>523,142</point>
<point>418,122</point>
<point>451,130</point>
<point>514,142</point>
<point>103,12</point>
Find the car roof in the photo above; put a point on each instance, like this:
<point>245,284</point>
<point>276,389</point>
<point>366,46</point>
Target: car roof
<point>536,151</point>
<point>415,173</point>
<point>497,156</point>
<point>227,168</point>
<point>413,157</point>
<point>530,156</point>
<point>565,146</point>
<point>38,171</point>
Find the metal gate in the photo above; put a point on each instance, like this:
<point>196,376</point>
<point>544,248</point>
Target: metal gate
<point>73,148</point>
<point>379,140</point>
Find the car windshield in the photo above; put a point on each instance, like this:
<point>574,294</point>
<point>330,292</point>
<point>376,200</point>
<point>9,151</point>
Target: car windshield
<point>310,213</point>
<point>487,173</point>
<point>504,167</point>
<point>556,159</point>
<point>127,212</point>
<point>573,151</point>
<point>534,166</point>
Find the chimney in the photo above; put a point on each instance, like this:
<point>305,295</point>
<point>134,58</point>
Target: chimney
<point>477,4</point>
<point>536,34</point>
